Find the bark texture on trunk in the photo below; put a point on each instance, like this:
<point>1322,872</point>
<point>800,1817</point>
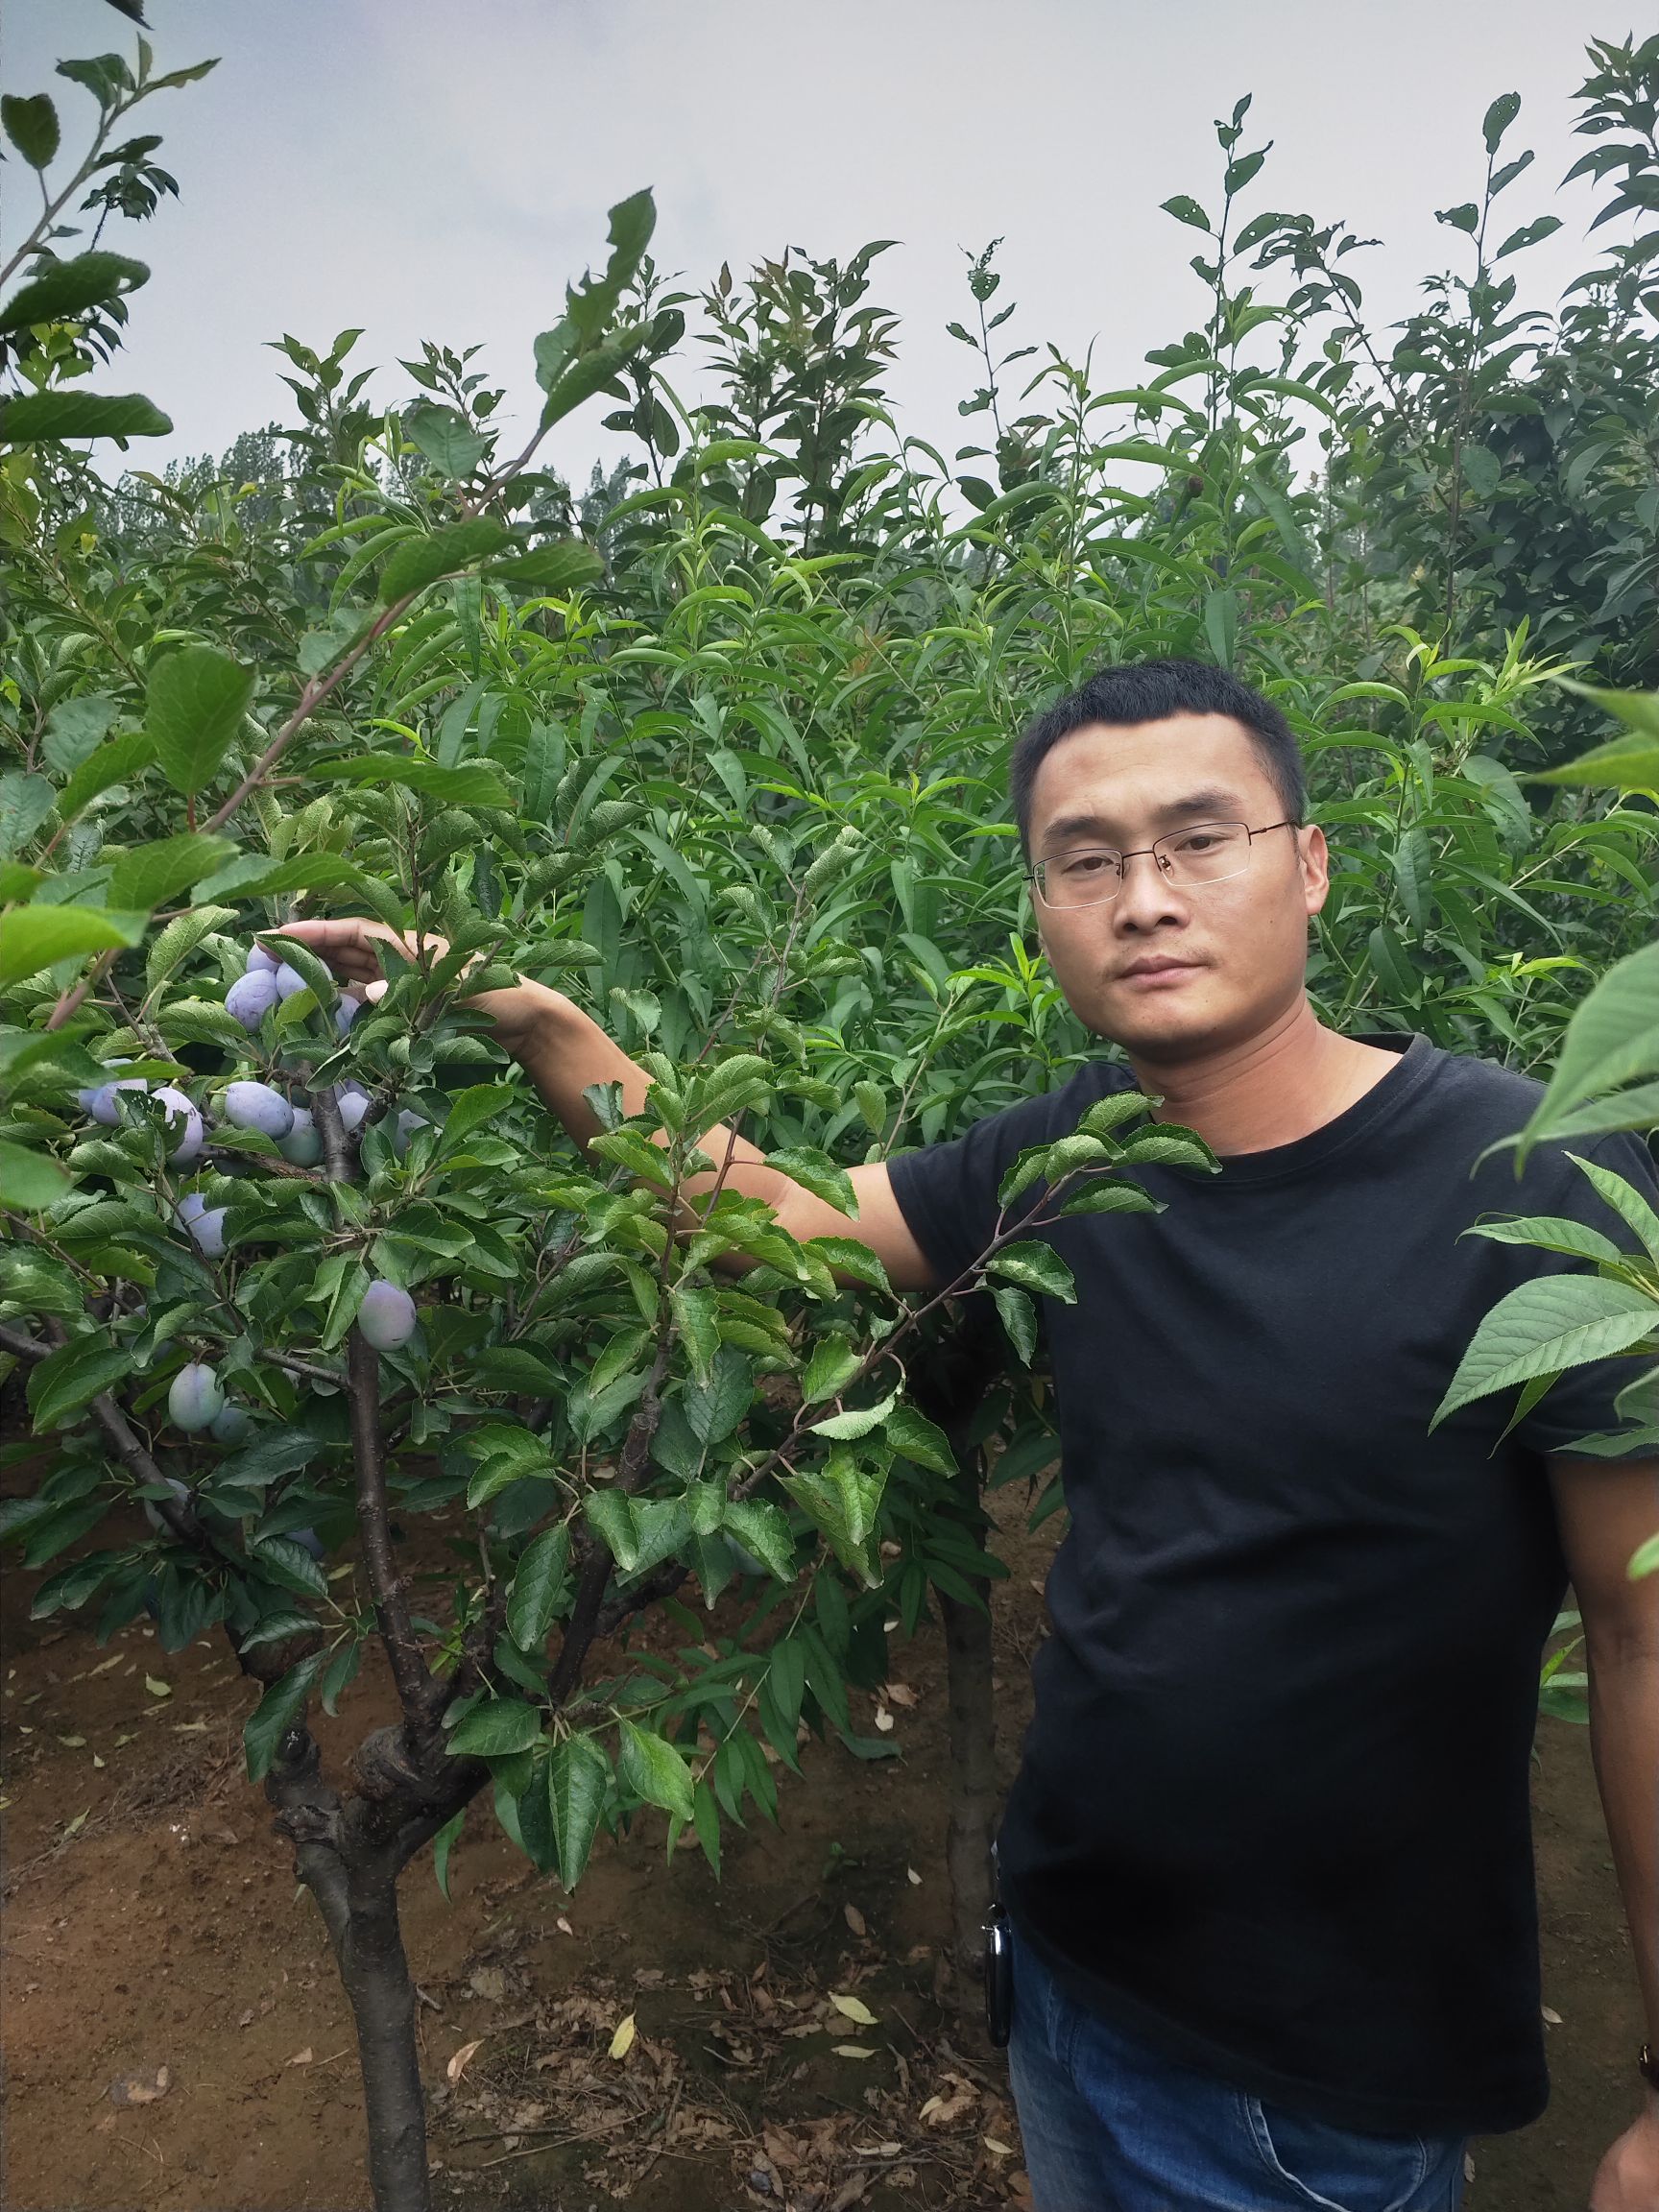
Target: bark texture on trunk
<point>972,1734</point>
<point>376,1972</point>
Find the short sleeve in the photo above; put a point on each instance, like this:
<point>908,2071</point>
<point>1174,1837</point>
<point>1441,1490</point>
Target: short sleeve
<point>948,1192</point>
<point>1580,1404</point>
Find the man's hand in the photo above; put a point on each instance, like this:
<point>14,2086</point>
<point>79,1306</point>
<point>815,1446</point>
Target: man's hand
<point>1627,2178</point>
<point>350,947</point>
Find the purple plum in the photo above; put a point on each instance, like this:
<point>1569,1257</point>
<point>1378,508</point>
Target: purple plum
<point>386,1315</point>
<point>257,1106</point>
<point>183,1117</point>
<point>353,1105</point>
<point>345,1013</point>
<point>180,1496</point>
<point>261,962</point>
<point>196,1400</point>
<point>101,1103</point>
<point>404,1128</point>
<point>206,1223</point>
<point>251,997</point>
<point>289,980</point>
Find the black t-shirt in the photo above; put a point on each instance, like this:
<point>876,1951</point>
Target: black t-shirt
<point>1272,1809</point>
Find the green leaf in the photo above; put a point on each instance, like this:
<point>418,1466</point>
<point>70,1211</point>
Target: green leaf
<point>1185,209</point>
<point>1035,1266</point>
<point>654,1770</point>
<point>1545,1325</point>
<point>39,415</point>
<point>697,1318</point>
<point>497,1727</point>
<point>1644,1560</point>
<point>129,755</point>
<point>447,439</point>
<point>1549,1232</point>
<point>193,706</point>
<point>832,1367</point>
<point>277,1710</point>
<point>443,1843</point>
<point>65,289</point>
<point>1020,1319</point>
<point>153,875</point>
<point>178,940</point>
<point>473,784</point>
<point>538,1584</point>
<point>36,937</point>
<point>763,1530</point>
<point>555,570</point>
<point>289,1565</point>
<point>911,1432</point>
<point>1102,1194</point>
<point>73,1375</point>
<point>611,1515</point>
<point>25,801</point>
<point>843,1427</point>
<point>509,1367</point>
<point>714,1409</point>
<point>1626,1201</point>
<point>817,1172</point>
<point>421,561</point>
<point>1612,1039</point>
<point>30,1181</point>
<point>1108,1115</point>
<point>579,1780</point>
<point>31,122</point>
<point>1498,117</point>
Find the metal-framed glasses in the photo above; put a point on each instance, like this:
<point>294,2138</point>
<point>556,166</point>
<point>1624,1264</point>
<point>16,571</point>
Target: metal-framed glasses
<point>1204,852</point>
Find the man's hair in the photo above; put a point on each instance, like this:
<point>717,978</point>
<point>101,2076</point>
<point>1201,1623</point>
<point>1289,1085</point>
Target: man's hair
<point>1152,692</point>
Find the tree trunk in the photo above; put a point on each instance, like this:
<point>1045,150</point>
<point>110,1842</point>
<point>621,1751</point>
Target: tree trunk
<point>972,1717</point>
<point>376,1972</point>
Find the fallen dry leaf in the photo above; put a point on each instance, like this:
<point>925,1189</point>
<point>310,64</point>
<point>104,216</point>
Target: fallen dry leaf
<point>461,2059</point>
<point>853,2008</point>
<point>883,1720</point>
<point>300,2057</point>
<point>622,2042</point>
<point>898,1693</point>
<point>158,1689</point>
<point>854,1919</point>
<point>1551,2017</point>
<point>853,2051</point>
<point>912,1877</point>
<point>998,2149</point>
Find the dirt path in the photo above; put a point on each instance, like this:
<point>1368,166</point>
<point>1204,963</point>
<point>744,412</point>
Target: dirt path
<point>153,1922</point>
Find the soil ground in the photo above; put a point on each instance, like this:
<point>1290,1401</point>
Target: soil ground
<point>153,1922</point>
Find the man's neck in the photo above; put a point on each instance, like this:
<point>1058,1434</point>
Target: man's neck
<point>1280,1085</point>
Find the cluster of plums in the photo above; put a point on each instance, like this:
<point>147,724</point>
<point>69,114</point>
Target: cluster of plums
<point>196,1401</point>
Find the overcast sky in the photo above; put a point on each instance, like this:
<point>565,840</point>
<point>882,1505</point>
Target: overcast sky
<point>431,170</point>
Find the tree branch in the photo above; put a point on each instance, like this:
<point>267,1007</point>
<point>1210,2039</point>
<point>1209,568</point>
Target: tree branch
<point>417,1690</point>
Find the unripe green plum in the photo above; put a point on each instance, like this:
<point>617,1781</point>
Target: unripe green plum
<point>257,1106</point>
<point>196,1399</point>
<point>386,1315</point>
<point>230,1427</point>
<point>302,1146</point>
<point>184,1121</point>
<point>251,997</point>
<point>206,1223</point>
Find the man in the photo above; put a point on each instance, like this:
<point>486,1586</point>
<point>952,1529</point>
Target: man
<point>1267,1857</point>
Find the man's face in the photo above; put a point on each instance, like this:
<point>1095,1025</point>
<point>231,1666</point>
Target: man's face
<point>1174,971</point>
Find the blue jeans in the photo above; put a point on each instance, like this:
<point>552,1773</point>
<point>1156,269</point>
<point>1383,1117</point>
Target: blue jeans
<point>1111,2126</point>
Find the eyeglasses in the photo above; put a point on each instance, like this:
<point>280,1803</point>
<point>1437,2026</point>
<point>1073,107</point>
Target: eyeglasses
<point>1207,853</point>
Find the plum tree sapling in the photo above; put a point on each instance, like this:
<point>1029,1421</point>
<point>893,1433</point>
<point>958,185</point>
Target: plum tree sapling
<point>206,1224</point>
<point>257,1106</point>
<point>195,1399</point>
<point>251,997</point>
<point>386,1317</point>
<point>184,1115</point>
<point>302,1145</point>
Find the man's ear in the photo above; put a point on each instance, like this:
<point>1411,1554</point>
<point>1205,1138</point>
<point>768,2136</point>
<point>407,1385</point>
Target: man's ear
<point>1313,856</point>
